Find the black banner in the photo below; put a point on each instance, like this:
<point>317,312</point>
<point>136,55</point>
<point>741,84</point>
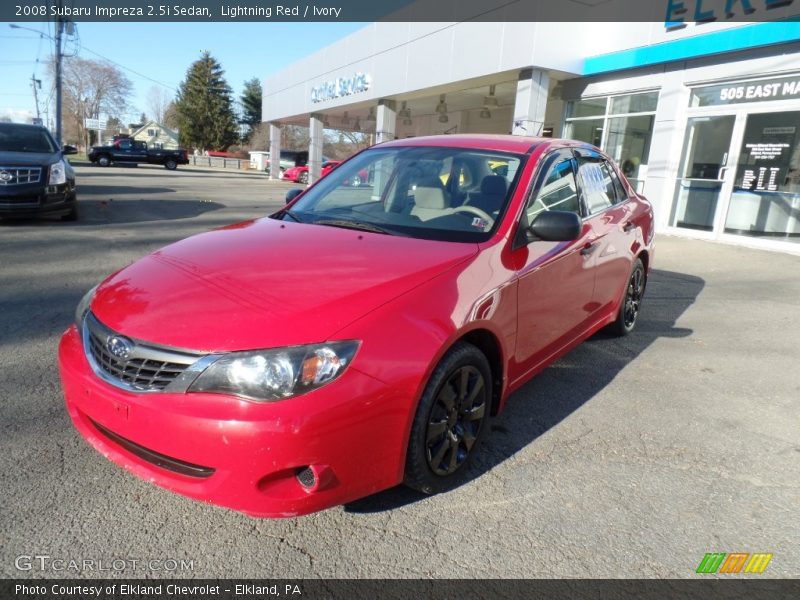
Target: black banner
<point>674,13</point>
<point>478,589</point>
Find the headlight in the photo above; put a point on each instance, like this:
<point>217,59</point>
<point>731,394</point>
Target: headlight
<point>269,375</point>
<point>58,173</point>
<point>83,306</point>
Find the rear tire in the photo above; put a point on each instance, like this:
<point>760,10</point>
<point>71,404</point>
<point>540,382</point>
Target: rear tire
<point>171,165</point>
<point>630,307</point>
<point>303,177</point>
<point>451,420</point>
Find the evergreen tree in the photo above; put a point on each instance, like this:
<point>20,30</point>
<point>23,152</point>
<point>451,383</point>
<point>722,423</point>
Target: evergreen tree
<point>251,104</point>
<point>204,106</point>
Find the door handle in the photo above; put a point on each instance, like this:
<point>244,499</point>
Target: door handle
<point>629,226</point>
<point>721,173</point>
<point>588,248</point>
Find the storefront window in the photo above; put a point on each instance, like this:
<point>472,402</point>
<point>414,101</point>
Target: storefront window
<point>766,194</point>
<point>621,125</point>
<point>590,107</point>
<point>634,103</point>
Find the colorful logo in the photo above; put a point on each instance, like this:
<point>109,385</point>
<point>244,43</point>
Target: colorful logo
<point>735,562</point>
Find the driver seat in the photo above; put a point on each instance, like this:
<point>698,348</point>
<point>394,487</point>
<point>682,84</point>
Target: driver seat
<point>492,194</point>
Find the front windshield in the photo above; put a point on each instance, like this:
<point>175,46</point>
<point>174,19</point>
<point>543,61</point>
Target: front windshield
<point>18,138</point>
<point>452,194</point>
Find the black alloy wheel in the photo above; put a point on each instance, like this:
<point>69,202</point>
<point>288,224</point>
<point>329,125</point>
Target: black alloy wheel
<point>455,420</point>
<point>450,422</point>
<point>631,305</point>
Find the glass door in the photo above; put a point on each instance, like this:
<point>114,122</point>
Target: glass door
<point>765,200</point>
<point>705,178</point>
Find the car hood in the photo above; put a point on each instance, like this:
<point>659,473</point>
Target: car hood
<point>39,159</point>
<point>266,283</point>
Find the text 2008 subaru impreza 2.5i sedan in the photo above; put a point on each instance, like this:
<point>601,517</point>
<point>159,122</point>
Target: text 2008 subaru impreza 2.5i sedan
<point>362,336</point>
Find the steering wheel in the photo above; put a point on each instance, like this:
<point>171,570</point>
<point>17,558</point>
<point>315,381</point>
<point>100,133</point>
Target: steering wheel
<point>476,211</point>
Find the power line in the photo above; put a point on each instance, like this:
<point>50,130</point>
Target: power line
<point>121,66</point>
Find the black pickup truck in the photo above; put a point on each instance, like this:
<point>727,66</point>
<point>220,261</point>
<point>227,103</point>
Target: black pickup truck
<point>126,150</point>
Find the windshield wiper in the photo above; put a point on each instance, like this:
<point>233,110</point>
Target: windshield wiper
<point>346,224</point>
<point>293,216</point>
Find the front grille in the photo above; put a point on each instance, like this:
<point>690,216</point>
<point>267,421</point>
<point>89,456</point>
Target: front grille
<point>16,201</point>
<point>146,368</point>
<point>19,175</point>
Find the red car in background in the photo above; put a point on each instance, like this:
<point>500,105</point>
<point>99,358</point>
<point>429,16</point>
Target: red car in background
<point>361,336</point>
<point>300,174</point>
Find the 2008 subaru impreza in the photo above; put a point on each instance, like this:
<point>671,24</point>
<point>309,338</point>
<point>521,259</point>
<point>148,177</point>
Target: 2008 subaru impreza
<point>362,336</point>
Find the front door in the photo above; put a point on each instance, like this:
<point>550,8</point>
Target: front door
<point>705,175</point>
<point>556,279</point>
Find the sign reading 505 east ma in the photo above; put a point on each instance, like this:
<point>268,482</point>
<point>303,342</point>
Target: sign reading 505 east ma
<point>761,90</point>
<point>340,87</point>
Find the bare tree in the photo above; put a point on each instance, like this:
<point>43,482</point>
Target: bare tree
<point>91,88</point>
<point>259,137</point>
<point>158,101</point>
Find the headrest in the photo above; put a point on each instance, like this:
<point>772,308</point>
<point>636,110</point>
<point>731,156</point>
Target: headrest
<point>493,185</point>
<point>429,197</point>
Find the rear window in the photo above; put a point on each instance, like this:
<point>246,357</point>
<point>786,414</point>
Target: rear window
<point>19,138</point>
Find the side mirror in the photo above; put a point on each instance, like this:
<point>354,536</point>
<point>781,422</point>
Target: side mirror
<point>555,226</point>
<point>69,150</point>
<point>292,194</point>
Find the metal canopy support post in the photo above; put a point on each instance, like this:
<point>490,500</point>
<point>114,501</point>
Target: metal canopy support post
<point>274,151</point>
<point>385,121</point>
<point>530,103</point>
<point>315,128</point>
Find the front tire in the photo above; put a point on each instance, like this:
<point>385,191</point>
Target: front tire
<point>171,165</point>
<point>72,215</point>
<point>303,178</point>
<point>104,161</point>
<point>631,304</point>
<point>451,420</point>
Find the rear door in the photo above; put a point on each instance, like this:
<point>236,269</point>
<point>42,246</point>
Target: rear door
<point>609,216</point>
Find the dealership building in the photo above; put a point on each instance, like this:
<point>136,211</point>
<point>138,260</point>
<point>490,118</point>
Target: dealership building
<point>702,117</point>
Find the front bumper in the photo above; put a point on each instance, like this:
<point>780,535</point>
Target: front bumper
<point>248,454</point>
<point>34,200</point>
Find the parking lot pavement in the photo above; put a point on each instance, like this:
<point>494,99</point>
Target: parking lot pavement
<point>628,458</point>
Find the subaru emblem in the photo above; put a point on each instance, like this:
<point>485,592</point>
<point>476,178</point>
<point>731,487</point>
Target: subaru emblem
<point>119,347</point>
<point>5,176</point>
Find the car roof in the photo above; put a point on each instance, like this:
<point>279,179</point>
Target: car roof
<point>503,143</point>
<point>26,125</point>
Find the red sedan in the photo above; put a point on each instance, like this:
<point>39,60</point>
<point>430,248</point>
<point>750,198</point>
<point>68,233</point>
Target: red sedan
<point>300,174</point>
<point>362,336</point>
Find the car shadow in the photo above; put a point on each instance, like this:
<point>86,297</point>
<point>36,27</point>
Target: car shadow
<point>564,387</point>
<point>107,212</point>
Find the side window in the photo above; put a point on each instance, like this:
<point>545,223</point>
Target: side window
<point>622,195</point>
<point>596,184</point>
<point>125,145</point>
<point>558,192</point>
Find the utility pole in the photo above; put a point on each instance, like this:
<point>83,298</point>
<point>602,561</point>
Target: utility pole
<point>36,83</point>
<point>59,32</point>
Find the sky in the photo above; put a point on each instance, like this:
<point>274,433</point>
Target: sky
<point>157,54</point>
